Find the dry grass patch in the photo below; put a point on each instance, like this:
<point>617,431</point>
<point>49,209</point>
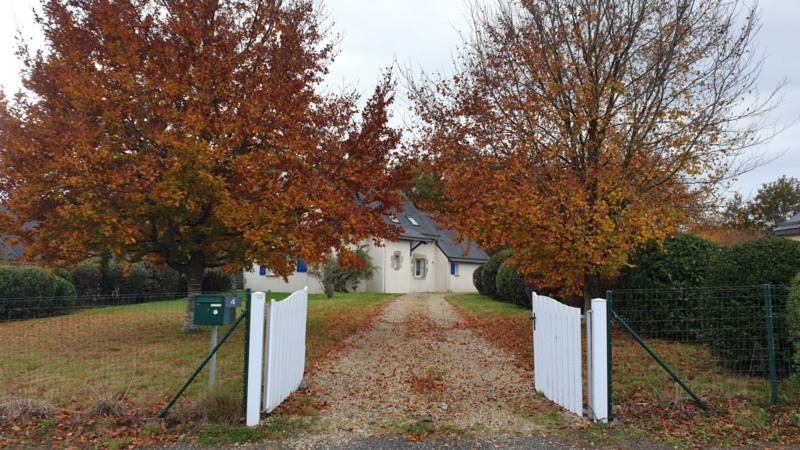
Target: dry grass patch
<point>25,409</point>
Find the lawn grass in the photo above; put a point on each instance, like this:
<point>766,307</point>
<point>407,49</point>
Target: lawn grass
<point>647,401</point>
<point>136,354</point>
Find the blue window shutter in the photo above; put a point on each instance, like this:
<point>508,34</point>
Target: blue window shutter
<point>452,268</point>
<point>302,266</point>
<point>262,271</point>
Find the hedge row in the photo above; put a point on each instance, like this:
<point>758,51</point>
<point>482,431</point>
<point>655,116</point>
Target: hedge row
<point>28,292</point>
<point>97,282</point>
<point>700,291</point>
<point>501,281</point>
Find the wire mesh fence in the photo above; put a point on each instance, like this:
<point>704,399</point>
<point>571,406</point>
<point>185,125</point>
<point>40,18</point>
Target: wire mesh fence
<point>728,344</point>
<point>130,350</point>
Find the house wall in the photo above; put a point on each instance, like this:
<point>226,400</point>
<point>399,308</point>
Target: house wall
<point>462,282</point>
<point>296,281</point>
<point>396,280</point>
<point>442,271</point>
<point>375,284</point>
<point>427,284</point>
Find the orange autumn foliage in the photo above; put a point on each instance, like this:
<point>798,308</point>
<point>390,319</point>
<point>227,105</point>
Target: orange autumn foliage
<point>573,132</point>
<point>193,133</point>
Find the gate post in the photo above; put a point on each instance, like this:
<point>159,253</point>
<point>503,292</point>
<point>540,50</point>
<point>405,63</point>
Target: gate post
<point>773,377</point>
<point>598,362</point>
<point>255,359</point>
<point>609,362</point>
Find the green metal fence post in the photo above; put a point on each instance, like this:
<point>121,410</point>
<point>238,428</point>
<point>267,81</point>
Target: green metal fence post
<point>609,315</point>
<point>773,377</point>
<point>246,350</point>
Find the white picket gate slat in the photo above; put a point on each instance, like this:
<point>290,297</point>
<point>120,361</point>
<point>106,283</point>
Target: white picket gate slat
<point>286,348</point>
<point>557,352</point>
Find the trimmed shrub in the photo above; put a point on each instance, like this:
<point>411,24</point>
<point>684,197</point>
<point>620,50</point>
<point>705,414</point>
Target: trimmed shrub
<point>793,319</point>
<point>510,286</point>
<point>28,292</point>
<point>216,280</point>
<point>477,280</point>
<point>489,272</point>
<point>97,283</point>
<point>676,310</point>
<point>681,262</point>
<point>738,334</point>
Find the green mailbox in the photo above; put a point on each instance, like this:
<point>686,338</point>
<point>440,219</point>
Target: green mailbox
<point>211,310</point>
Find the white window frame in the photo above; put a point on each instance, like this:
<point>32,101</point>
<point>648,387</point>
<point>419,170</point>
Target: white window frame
<point>424,262</point>
<point>397,261</point>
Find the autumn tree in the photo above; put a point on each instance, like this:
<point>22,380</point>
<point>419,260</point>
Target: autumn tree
<point>574,131</point>
<point>194,134</point>
<point>776,202</point>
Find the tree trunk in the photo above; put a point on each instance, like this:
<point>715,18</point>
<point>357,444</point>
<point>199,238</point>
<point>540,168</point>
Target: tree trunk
<point>194,287</point>
<point>591,289</point>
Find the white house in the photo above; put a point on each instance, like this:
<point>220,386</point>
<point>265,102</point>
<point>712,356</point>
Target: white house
<point>424,258</point>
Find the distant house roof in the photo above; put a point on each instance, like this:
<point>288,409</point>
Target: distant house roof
<point>9,252</point>
<point>418,226</point>
<point>12,252</point>
<point>791,226</point>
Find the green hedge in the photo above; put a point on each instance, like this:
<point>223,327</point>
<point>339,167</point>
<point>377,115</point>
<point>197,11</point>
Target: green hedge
<point>216,280</point>
<point>793,319</point>
<point>675,268</point>
<point>27,292</point>
<point>477,279</point>
<point>108,283</point>
<point>682,262</point>
<point>510,286</point>
<point>737,337</point>
<point>489,272</point>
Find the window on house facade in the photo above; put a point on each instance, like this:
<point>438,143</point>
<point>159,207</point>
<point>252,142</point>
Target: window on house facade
<point>454,269</point>
<point>397,261</point>
<point>302,266</point>
<point>420,268</point>
<point>264,272</point>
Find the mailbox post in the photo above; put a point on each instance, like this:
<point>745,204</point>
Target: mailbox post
<point>215,310</point>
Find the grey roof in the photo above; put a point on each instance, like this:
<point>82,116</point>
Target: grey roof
<point>9,252</point>
<point>427,230</point>
<point>791,226</point>
<point>12,252</point>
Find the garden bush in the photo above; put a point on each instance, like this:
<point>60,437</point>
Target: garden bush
<point>738,335</point>
<point>477,280</point>
<point>510,286</point>
<point>793,319</point>
<point>105,283</point>
<point>681,262</point>
<point>489,272</point>
<point>216,280</point>
<point>28,292</point>
<point>675,269</point>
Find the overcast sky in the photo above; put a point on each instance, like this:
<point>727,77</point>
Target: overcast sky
<point>425,34</point>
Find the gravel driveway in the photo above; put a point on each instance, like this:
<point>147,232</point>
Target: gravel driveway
<point>419,368</point>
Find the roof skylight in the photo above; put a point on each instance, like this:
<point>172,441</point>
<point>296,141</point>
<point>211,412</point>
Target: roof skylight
<point>413,221</point>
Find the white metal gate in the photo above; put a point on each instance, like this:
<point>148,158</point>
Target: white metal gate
<point>277,352</point>
<point>286,348</point>
<point>557,352</point>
